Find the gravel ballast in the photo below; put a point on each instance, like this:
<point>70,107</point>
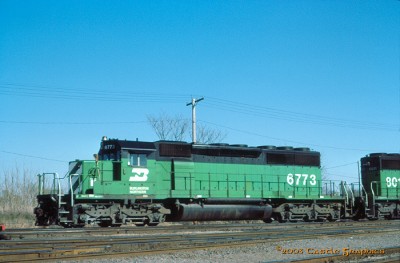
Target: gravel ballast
<point>277,251</point>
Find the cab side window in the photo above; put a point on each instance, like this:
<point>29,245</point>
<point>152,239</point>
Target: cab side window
<point>138,160</point>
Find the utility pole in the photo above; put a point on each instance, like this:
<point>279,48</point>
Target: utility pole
<point>193,103</point>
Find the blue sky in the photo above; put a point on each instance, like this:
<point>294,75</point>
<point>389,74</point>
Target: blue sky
<point>319,74</point>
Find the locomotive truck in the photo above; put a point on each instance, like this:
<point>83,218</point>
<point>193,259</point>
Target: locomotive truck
<point>147,183</point>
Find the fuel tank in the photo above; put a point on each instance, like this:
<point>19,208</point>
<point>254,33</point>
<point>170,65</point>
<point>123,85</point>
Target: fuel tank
<point>214,212</point>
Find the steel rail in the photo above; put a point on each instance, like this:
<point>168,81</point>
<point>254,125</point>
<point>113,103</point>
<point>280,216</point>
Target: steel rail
<point>61,232</point>
<point>146,236</point>
<point>89,247</point>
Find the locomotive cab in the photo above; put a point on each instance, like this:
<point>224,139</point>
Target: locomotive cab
<point>110,190</point>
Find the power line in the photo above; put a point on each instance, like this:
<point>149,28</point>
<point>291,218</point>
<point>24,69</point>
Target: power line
<point>286,140</point>
<point>261,111</point>
<point>33,156</point>
<point>340,175</point>
<point>342,165</point>
<point>13,89</point>
<point>71,123</point>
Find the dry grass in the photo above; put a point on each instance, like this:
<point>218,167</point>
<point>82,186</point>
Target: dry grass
<point>18,190</point>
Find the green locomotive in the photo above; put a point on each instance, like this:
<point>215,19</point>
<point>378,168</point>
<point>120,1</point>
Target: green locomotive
<point>150,182</point>
<point>380,173</point>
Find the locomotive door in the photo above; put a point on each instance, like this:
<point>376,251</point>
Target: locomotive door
<point>182,178</point>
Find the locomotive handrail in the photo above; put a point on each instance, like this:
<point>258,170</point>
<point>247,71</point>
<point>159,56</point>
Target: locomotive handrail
<point>344,191</point>
<point>372,189</point>
<point>362,192</point>
<point>332,187</point>
<point>59,194</point>
<point>41,184</point>
<point>366,194</point>
<point>373,197</point>
<point>70,188</point>
<point>56,182</point>
<point>351,192</point>
<point>65,176</point>
<point>223,182</point>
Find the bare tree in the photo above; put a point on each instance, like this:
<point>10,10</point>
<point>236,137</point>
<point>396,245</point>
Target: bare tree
<point>178,129</point>
<point>208,135</point>
<point>169,128</point>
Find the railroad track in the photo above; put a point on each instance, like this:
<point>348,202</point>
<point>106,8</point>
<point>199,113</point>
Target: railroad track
<point>54,232</point>
<point>79,244</point>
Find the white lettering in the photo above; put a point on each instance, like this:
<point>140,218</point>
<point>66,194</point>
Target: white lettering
<point>313,179</point>
<point>301,179</point>
<point>392,182</point>
<point>138,190</point>
<point>289,179</point>
<point>109,147</point>
<point>139,175</point>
